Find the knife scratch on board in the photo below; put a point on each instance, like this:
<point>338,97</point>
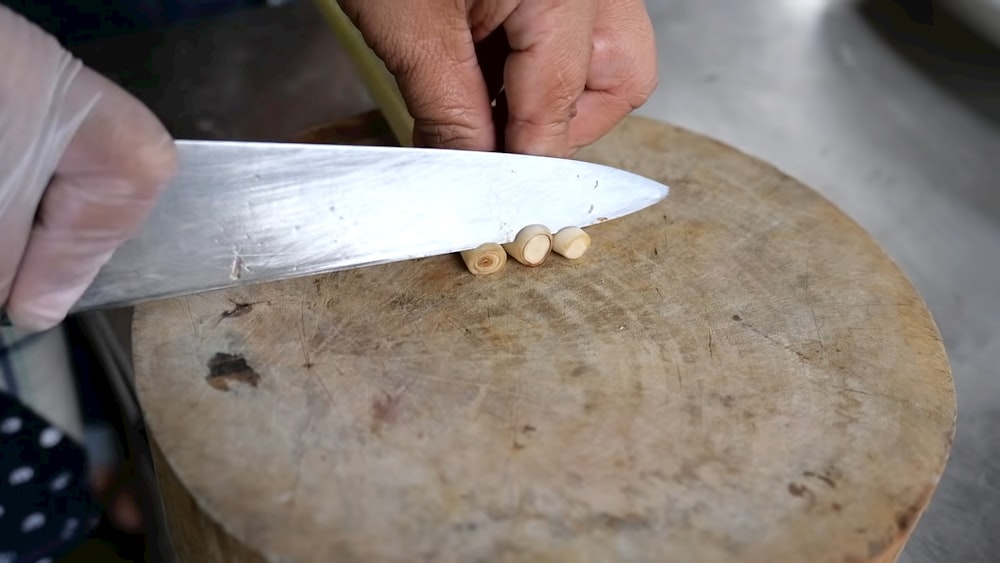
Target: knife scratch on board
<point>238,267</point>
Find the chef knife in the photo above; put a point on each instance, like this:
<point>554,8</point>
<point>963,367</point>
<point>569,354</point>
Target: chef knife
<point>248,212</point>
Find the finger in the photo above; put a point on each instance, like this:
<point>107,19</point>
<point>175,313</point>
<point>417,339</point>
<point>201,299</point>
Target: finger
<point>106,183</point>
<point>623,70</point>
<point>624,46</point>
<point>598,113</point>
<point>546,72</point>
<point>431,53</point>
<point>35,126</point>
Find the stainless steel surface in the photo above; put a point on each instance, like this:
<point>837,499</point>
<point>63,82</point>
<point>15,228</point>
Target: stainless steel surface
<point>251,212</point>
<point>897,123</point>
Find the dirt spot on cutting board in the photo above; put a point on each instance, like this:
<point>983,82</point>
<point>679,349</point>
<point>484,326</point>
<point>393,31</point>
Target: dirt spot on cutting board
<point>385,411</point>
<point>229,369</point>
<point>908,517</point>
<point>238,310</point>
<point>824,477</point>
<point>799,490</point>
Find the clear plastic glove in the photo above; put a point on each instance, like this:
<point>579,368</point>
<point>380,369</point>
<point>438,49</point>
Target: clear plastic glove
<point>81,164</point>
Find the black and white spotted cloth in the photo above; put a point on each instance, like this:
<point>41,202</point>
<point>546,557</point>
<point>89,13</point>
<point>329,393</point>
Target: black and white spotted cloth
<point>45,506</point>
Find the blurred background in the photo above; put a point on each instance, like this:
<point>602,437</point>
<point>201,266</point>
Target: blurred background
<point>889,108</point>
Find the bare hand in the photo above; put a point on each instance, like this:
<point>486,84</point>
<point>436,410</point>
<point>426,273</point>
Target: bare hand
<point>571,69</point>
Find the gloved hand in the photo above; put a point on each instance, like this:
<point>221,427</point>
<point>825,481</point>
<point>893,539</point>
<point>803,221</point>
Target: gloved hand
<point>81,164</point>
<point>571,69</point>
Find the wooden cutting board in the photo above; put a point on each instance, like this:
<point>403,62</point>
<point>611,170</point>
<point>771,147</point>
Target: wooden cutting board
<point>736,374</point>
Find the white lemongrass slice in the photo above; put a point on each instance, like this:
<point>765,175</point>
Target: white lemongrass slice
<point>531,246</point>
<point>571,242</point>
<point>485,259</point>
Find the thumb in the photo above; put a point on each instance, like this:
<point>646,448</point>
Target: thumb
<point>428,47</point>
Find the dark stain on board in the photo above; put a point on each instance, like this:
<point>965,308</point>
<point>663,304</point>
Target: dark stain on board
<point>228,369</point>
<point>618,523</point>
<point>239,309</point>
<point>822,477</point>
<point>385,411</point>
<point>798,490</point>
<point>907,518</point>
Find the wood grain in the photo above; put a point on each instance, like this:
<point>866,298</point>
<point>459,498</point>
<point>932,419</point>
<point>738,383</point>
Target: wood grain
<point>736,374</point>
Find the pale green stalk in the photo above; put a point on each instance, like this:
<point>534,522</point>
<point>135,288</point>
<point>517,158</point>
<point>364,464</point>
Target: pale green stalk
<point>380,83</point>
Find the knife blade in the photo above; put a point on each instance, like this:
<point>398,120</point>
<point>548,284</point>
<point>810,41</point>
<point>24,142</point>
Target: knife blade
<point>248,212</point>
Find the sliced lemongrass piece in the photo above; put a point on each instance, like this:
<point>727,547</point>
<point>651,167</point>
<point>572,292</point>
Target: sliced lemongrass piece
<point>571,242</point>
<point>485,259</point>
<point>531,246</point>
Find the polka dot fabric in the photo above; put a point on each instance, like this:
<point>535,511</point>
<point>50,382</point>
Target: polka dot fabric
<point>45,507</point>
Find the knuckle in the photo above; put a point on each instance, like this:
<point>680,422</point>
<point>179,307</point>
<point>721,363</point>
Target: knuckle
<point>557,117</point>
<point>458,133</point>
<point>562,107</point>
<point>606,49</point>
<point>485,17</point>
<point>643,89</point>
<point>132,144</point>
<point>625,55</point>
<point>627,70</point>
<point>558,104</point>
<point>539,141</point>
<point>152,163</point>
<point>143,166</point>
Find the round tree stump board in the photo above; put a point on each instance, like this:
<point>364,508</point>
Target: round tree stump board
<point>738,373</point>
